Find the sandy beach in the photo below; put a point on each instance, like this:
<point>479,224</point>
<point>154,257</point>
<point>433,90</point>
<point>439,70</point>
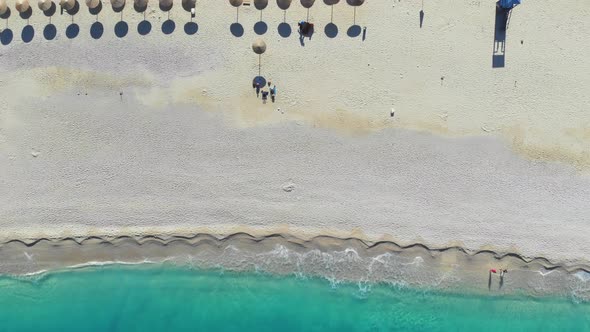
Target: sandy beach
<point>125,131</point>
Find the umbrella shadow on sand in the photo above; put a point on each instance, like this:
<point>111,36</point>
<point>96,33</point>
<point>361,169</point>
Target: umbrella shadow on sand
<point>236,29</point>
<point>6,36</point>
<point>284,29</point>
<point>96,30</point>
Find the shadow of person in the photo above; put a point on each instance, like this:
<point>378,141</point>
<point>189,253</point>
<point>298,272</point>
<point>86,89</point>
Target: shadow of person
<point>501,282</point>
<point>96,10</point>
<point>6,36</point>
<point>144,27</point>
<point>236,29</point>
<point>49,12</point>
<point>50,31</point>
<point>190,28</point>
<point>284,30</point>
<point>26,14</point>
<point>354,31</point>
<point>72,31</point>
<point>28,33</point>
<point>260,28</point>
<point>421,18</point>
<point>121,29</point>
<point>490,281</point>
<point>96,30</point>
<point>331,30</point>
<point>168,27</point>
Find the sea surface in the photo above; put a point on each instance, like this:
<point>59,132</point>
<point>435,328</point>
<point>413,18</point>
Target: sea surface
<point>172,298</point>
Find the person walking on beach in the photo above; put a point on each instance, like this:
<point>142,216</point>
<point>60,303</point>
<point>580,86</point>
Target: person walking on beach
<point>273,93</point>
<point>264,96</point>
<point>257,89</point>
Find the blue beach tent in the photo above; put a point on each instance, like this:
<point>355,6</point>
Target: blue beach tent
<point>509,4</point>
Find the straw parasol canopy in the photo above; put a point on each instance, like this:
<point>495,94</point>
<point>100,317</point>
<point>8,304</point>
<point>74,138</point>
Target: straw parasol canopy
<point>140,5</point>
<point>90,3</point>
<point>355,3</point>
<point>3,7</point>
<point>236,3</point>
<point>118,4</point>
<point>260,4</point>
<point>44,5</point>
<point>259,46</point>
<point>166,5</point>
<point>307,3</point>
<point>22,5</point>
<point>331,2</point>
<point>67,4</point>
<point>188,4</point>
<point>284,4</point>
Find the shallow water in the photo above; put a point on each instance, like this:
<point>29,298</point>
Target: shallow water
<point>160,297</point>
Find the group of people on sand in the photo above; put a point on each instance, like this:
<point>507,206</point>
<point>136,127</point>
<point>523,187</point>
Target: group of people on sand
<point>502,272</point>
<point>260,90</point>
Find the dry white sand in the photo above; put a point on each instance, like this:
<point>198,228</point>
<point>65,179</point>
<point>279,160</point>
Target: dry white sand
<point>475,155</point>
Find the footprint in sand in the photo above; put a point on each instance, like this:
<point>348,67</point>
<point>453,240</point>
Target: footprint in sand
<point>289,187</point>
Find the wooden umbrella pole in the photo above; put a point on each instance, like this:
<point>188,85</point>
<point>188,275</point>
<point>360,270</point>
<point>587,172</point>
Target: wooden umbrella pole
<point>307,14</point>
<point>354,17</point>
<point>332,14</point>
<point>237,14</point>
<point>285,16</point>
<point>259,57</point>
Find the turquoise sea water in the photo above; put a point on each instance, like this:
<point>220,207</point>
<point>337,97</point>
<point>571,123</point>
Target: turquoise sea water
<point>165,298</point>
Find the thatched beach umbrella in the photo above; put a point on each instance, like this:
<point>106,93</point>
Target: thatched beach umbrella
<point>140,5</point>
<point>189,4</point>
<point>284,4</point>
<point>260,4</point>
<point>331,3</point>
<point>166,5</point>
<point>118,5</point>
<point>259,47</point>
<point>92,3</point>
<point>355,3</point>
<point>3,7</point>
<point>237,4</point>
<point>307,4</point>
<point>22,5</point>
<point>67,4</point>
<point>44,5</point>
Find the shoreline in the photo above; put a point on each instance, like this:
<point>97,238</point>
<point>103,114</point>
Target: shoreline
<point>162,134</point>
<point>338,259</point>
